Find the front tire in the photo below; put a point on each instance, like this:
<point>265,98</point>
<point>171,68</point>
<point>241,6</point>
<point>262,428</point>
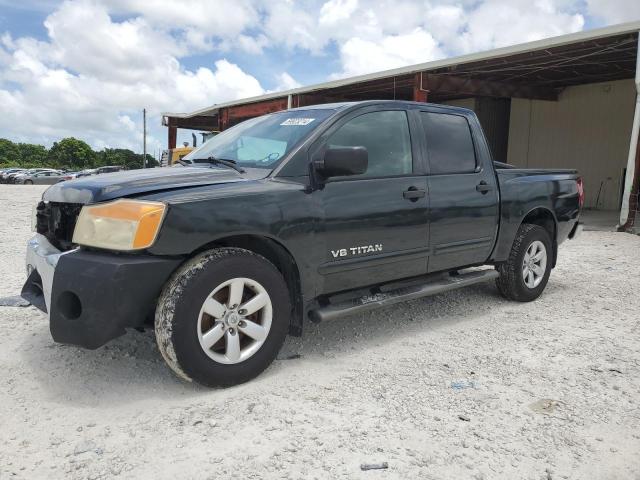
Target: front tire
<point>525,274</point>
<point>28,182</point>
<point>222,317</point>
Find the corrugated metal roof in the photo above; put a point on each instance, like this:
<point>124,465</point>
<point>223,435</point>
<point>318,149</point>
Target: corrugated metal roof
<point>589,35</point>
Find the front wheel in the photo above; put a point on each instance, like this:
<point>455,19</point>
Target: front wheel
<point>524,275</point>
<point>28,182</point>
<point>222,317</point>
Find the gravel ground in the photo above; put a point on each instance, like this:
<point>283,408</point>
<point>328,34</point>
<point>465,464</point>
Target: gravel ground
<point>461,385</point>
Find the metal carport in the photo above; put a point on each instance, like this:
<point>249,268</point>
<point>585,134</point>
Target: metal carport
<point>568,101</point>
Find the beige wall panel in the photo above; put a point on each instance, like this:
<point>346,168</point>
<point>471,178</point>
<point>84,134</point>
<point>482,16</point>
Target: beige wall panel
<point>588,128</point>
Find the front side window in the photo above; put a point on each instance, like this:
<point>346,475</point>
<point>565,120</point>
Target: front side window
<point>449,143</point>
<point>386,137</point>
<point>261,142</point>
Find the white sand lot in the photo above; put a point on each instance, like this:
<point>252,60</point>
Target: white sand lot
<point>547,390</point>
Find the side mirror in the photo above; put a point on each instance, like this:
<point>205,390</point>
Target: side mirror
<point>343,161</point>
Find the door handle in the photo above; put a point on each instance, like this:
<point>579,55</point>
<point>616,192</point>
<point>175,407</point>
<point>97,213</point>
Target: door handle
<point>413,194</point>
<point>483,187</point>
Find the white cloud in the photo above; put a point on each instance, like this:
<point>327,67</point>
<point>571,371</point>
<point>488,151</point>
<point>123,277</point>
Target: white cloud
<point>85,39</point>
<point>104,60</point>
<point>614,11</point>
<point>496,24</point>
<point>335,11</point>
<point>286,82</point>
<point>392,34</point>
<point>205,86</point>
<point>220,18</point>
<point>127,122</point>
<point>251,45</point>
<point>94,76</point>
<point>291,25</point>
<point>360,56</point>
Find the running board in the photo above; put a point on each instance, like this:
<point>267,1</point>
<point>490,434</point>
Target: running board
<point>370,302</point>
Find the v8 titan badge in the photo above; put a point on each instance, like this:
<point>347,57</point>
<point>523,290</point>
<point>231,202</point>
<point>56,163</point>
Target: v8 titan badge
<point>351,251</point>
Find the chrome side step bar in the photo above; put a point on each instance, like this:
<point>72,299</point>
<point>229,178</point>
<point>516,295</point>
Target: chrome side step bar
<point>402,294</point>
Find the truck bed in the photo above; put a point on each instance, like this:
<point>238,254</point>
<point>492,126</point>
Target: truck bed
<point>523,190</point>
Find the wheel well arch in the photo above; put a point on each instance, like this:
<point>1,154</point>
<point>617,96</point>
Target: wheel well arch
<point>544,218</point>
<point>283,260</point>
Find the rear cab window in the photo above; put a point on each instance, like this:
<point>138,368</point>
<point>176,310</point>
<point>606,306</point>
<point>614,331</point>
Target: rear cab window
<point>450,146</point>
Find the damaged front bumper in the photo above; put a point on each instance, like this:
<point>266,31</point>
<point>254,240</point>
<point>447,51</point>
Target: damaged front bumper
<point>41,260</point>
<point>92,297</point>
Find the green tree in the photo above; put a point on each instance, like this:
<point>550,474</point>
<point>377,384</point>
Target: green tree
<point>33,155</point>
<point>151,162</point>
<point>71,153</point>
<point>9,153</point>
<point>124,157</point>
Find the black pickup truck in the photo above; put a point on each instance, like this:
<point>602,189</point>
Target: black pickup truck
<point>309,213</point>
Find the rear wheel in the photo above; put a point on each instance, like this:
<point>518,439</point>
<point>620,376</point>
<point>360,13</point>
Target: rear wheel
<point>222,318</point>
<point>525,274</point>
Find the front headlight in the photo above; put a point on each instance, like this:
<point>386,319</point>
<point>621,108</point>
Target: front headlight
<point>120,225</point>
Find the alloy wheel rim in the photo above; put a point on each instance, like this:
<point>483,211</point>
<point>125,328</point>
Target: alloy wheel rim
<point>534,264</point>
<point>234,321</point>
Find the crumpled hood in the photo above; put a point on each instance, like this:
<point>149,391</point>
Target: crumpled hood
<point>109,186</point>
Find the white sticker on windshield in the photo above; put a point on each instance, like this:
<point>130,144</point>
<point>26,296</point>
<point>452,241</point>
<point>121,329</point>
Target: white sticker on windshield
<point>297,121</point>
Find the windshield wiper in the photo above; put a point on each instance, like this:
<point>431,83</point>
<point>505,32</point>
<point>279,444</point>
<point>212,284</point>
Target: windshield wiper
<point>221,161</point>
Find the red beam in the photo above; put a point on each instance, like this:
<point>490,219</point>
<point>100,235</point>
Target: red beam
<point>172,136</point>
<point>200,122</point>
<point>420,94</point>
<point>223,119</point>
<point>256,109</point>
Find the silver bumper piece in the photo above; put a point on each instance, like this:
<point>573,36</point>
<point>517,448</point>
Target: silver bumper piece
<point>43,257</point>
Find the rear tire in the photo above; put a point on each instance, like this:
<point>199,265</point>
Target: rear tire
<point>202,329</point>
<point>525,274</point>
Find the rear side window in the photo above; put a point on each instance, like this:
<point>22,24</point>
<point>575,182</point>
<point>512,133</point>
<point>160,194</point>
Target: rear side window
<point>385,135</point>
<point>449,143</point>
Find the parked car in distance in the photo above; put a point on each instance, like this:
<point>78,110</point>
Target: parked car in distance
<point>69,175</point>
<point>85,173</point>
<point>109,169</point>
<point>12,178</point>
<point>4,176</point>
<point>310,213</point>
<point>43,177</point>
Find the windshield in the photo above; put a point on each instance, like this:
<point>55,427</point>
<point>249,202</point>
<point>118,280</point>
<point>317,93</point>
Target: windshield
<point>261,142</point>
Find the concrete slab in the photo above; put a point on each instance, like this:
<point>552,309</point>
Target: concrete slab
<point>600,220</point>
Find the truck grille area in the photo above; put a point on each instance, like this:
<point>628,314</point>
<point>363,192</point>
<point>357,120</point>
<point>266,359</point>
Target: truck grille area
<point>56,221</point>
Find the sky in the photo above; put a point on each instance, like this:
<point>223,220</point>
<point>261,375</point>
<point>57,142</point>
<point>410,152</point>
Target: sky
<point>87,68</point>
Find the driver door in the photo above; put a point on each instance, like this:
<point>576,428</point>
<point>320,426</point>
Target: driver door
<point>375,225</point>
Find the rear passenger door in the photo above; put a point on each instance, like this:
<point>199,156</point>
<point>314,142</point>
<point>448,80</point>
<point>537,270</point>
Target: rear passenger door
<point>463,197</point>
<point>375,225</point>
